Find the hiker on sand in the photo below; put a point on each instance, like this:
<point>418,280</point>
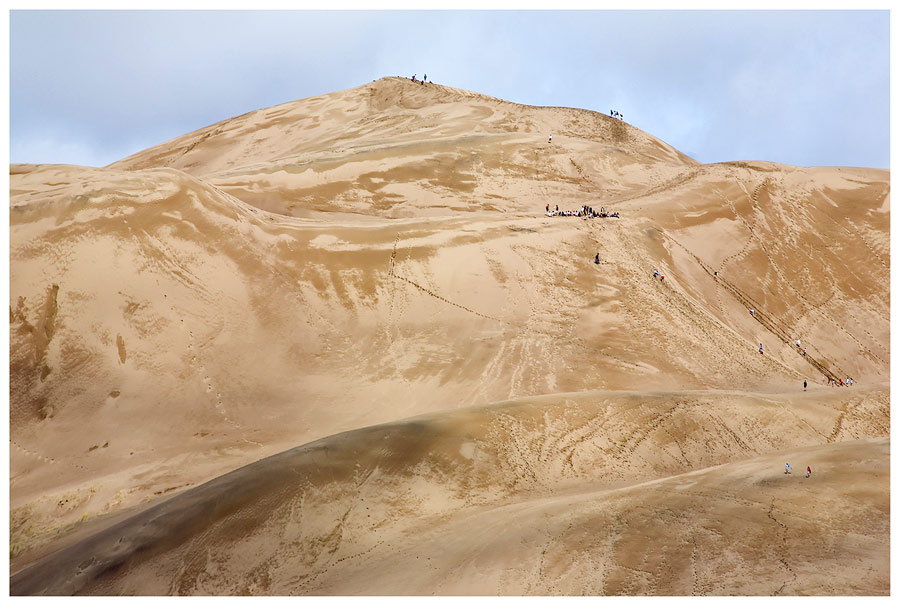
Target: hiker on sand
<point>550,139</point>
<point>804,352</point>
<point>787,468</point>
<point>752,311</point>
<point>808,471</point>
<point>760,348</point>
<point>597,259</point>
<point>804,384</point>
<point>798,343</point>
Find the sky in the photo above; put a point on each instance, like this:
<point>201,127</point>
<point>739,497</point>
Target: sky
<point>808,88</point>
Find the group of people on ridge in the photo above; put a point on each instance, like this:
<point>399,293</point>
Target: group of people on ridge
<point>837,382</point>
<point>587,212</point>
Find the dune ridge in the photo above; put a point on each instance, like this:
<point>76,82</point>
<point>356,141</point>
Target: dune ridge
<point>362,290</point>
<point>546,451</point>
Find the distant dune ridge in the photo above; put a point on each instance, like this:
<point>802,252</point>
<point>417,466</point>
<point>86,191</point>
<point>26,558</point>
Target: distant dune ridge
<point>337,347</point>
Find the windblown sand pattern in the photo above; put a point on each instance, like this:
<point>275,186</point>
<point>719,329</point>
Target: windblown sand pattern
<point>336,347</point>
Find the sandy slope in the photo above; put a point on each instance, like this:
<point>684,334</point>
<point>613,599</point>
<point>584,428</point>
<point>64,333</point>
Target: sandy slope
<point>566,488</point>
<point>366,256</point>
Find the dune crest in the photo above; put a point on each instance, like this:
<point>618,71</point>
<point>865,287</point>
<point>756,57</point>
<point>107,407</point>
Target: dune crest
<point>363,291</point>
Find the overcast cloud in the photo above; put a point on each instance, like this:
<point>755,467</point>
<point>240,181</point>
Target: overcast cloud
<point>809,88</point>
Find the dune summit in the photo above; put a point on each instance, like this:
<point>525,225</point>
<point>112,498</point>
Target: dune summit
<point>340,347</point>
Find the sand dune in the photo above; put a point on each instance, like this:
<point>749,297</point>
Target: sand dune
<point>581,490</point>
<point>294,288</point>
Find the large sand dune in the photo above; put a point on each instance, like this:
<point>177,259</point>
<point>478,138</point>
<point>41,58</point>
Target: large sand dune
<point>359,296</point>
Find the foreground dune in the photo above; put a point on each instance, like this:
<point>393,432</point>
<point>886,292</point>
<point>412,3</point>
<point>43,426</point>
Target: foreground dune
<point>326,272</point>
<point>601,492</point>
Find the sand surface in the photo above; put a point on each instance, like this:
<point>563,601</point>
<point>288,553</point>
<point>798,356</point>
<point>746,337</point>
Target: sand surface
<point>336,347</point>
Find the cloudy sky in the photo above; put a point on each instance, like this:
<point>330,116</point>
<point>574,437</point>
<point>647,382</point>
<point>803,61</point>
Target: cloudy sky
<point>809,88</point>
